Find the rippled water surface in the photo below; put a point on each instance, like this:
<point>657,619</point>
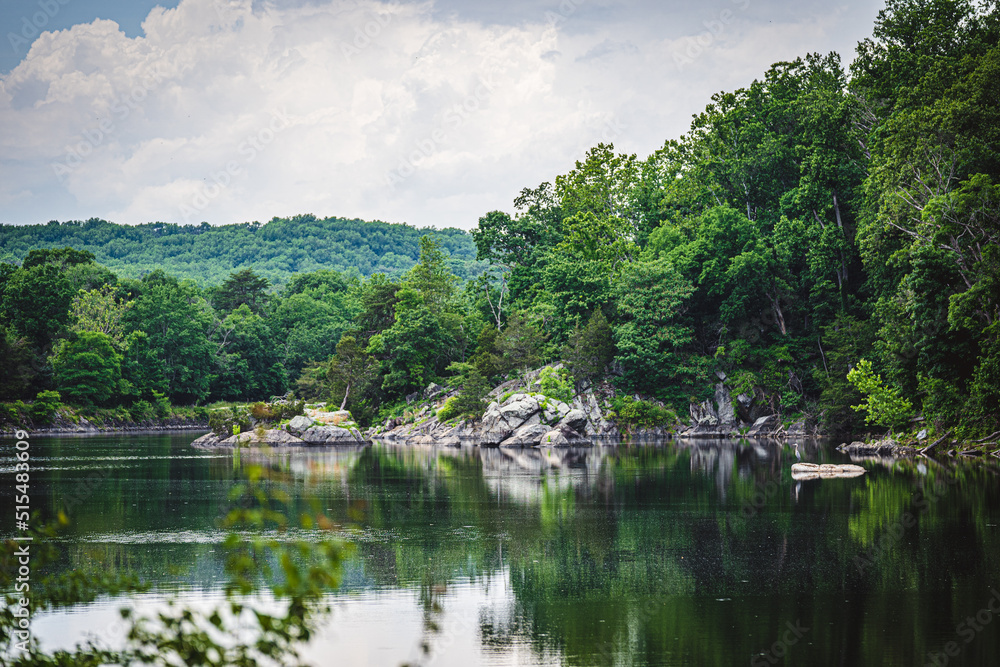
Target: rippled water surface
<point>705,553</point>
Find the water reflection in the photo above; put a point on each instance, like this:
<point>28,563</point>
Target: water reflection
<point>662,553</point>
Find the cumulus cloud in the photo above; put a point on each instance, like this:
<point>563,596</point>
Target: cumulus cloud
<point>234,110</point>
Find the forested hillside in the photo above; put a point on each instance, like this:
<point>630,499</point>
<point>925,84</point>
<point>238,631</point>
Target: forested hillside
<point>275,250</point>
<point>825,239</point>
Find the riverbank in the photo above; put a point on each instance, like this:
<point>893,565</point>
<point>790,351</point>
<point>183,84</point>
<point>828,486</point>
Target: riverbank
<point>923,446</point>
<point>69,421</point>
<point>87,428</point>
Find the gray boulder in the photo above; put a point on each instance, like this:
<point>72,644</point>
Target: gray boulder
<point>501,420</point>
<point>764,426</point>
<point>554,411</point>
<point>299,424</point>
<point>716,411</point>
<point>272,437</point>
<point>562,436</point>
<point>207,440</point>
<point>575,419</point>
<point>703,414</point>
<point>803,428</point>
<point>724,410</point>
<point>332,435</point>
<point>494,428</point>
<point>519,407</point>
<point>432,390</point>
<point>526,436</point>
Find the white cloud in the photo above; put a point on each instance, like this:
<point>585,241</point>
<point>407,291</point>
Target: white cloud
<point>228,110</point>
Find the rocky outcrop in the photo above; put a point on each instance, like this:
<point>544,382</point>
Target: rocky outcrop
<point>315,428</point>
<point>332,435</point>
<point>887,447</point>
<point>270,438</point>
<point>517,419</point>
<point>715,417</point>
<point>803,428</point>
<point>562,436</point>
<point>523,420</point>
<point>765,427</point>
<point>528,435</point>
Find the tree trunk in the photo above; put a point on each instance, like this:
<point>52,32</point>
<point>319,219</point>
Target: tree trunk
<point>347,391</point>
<point>776,306</point>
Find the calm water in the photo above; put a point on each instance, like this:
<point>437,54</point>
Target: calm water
<point>676,554</point>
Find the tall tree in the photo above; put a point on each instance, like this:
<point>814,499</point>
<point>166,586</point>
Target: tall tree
<point>242,287</point>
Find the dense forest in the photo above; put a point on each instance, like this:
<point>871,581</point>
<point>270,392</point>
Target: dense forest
<point>276,250</point>
<point>823,238</point>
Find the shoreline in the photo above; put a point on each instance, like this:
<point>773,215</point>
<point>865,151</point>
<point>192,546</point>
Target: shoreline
<point>76,430</point>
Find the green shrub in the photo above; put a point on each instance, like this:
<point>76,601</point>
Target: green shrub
<point>226,422</point>
<point>469,402</point>
<point>449,410</point>
<point>141,411</point>
<point>641,413</point>
<point>161,405</point>
<point>45,406</point>
<point>557,384</point>
<point>288,410</point>
<point>261,411</point>
<point>11,413</point>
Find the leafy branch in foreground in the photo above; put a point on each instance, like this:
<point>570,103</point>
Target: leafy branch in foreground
<point>296,573</point>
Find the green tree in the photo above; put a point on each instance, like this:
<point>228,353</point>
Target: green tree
<point>651,332</point>
<point>101,310</point>
<point>87,369</point>
<point>350,368</point>
<point>416,348</point>
<point>601,219</point>
<point>143,369</point>
<point>242,287</point>
<point>883,405</point>
<point>520,346</point>
<point>249,360</point>
<point>16,372</point>
<point>432,277</point>
<point>177,322</point>
<point>590,349</point>
<point>36,302</point>
<point>470,399</point>
<point>378,306</point>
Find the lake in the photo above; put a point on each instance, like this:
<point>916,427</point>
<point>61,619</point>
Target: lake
<point>677,553</point>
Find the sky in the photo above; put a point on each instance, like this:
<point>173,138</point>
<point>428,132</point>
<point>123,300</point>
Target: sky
<point>425,112</point>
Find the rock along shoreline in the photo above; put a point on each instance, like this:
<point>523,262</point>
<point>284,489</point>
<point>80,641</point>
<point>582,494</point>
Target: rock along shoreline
<point>518,415</point>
